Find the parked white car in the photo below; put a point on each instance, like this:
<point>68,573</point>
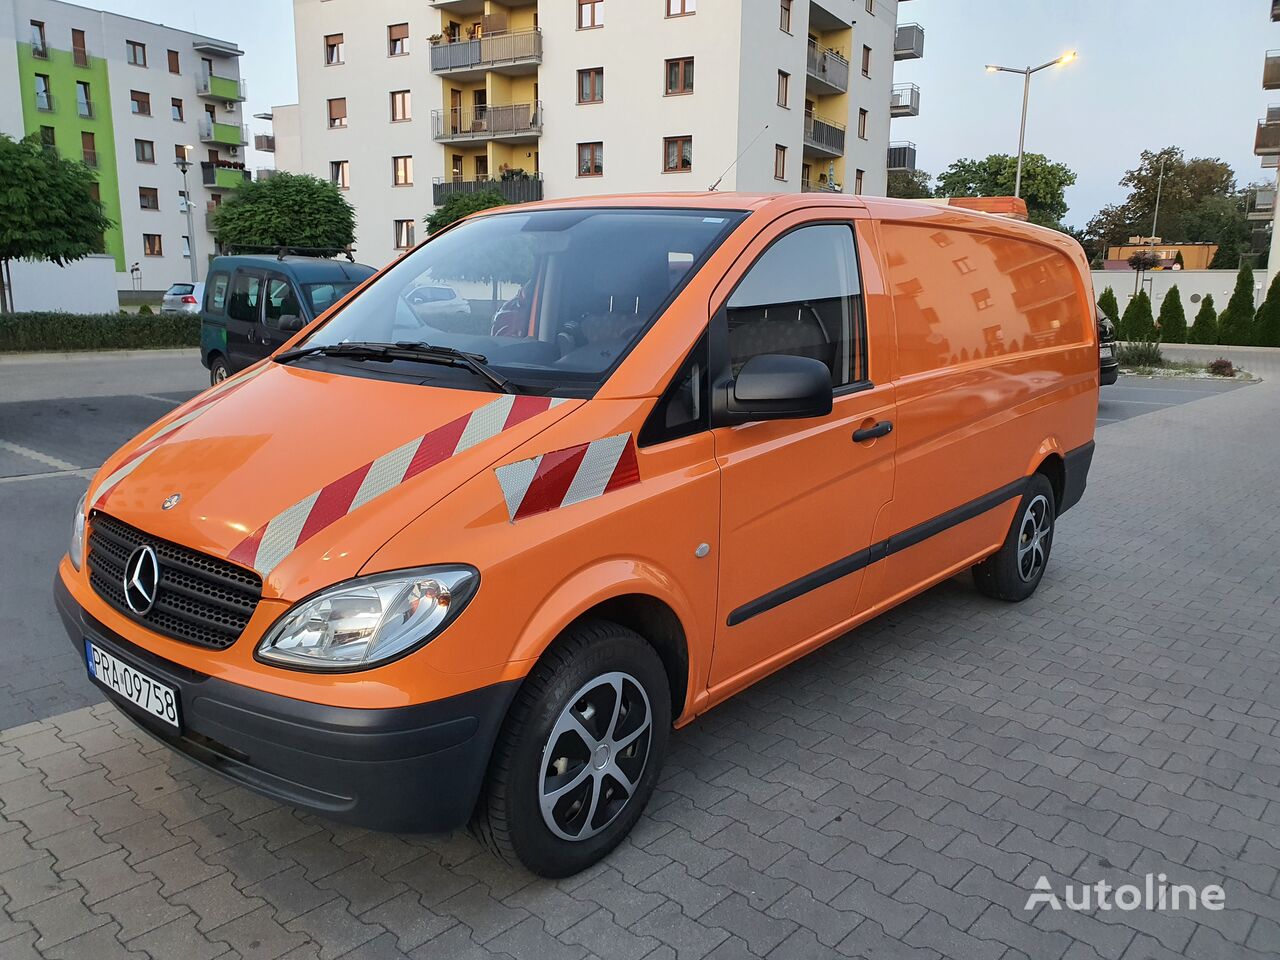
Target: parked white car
<point>183,298</point>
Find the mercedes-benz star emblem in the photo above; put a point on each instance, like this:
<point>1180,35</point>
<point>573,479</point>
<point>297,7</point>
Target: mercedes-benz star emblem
<point>171,501</point>
<point>141,579</point>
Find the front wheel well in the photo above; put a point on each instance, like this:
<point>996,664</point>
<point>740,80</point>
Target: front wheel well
<point>1055,471</point>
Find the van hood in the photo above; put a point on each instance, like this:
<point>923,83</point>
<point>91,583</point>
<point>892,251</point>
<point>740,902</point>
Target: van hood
<point>302,474</point>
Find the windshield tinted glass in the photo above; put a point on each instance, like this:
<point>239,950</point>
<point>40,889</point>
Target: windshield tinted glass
<point>552,298</point>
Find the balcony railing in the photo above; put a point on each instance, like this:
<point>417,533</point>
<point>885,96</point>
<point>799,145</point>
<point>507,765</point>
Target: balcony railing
<point>491,122</point>
<point>1267,140</point>
<point>523,189</point>
<point>221,88</point>
<point>266,173</point>
<point>227,134</point>
<point>817,186</point>
<point>828,68</point>
<point>39,49</point>
<point>265,142</point>
<point>1275,10</point>
<point>223,175</point>
<point>904,100</point>
<point>823,135</point>
<point>44,101</point>
<point>80,56</point>
<point>91,158</point>
<point>491,52</point>
<point>908,42</point>
<point>1260,239</point>
<point>1262,204</point>
<point>85,110</point>
<point>902,155</point>
<point>1271,71</point>
<point>1270,163</point>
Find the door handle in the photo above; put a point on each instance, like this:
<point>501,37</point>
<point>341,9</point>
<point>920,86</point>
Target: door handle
<point>870,433</point>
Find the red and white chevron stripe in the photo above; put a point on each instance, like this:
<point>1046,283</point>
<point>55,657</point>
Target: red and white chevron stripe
<point>565,477</point>
<point>282,534</point>
<point>140,453</point>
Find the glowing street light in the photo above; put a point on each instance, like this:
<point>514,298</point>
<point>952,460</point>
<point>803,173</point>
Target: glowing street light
<point>1026,73</point>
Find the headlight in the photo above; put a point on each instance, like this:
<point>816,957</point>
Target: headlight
<point>76,552</point>
<point>368,621</point>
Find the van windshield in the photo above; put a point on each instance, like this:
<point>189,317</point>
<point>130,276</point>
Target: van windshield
<point>552,298</point>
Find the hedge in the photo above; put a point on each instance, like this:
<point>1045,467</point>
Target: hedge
<point>26,332</point>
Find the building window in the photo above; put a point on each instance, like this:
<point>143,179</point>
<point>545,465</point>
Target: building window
<point>175,108</point>
<point>79,49</point>
<point>591,159</point>
<point>179,152</point>
<point>400,105</point>
<point>333,49</point>
<point>862,124</point>
<point>591,85</point>
<point>88,148</point>
<point>397,39</point>
<point>148,198</point>
<point>866,60</point>
<point>871,7</point>
<point>186,247</point>
<point>140,103</point>
<point>337,113</point>
<point>44,99</point>
<point>39,48</point>
<point>680,76</point>
<point>84,100</point>
<point>784,17</point>
<point>339,173</point>
<point>784,87</point>
<point>402,171</point>
<point>681,8</point>
<point>677,154</point>
<point>135,53</point>
<point>48,139</point>
<point>857,180</point>
<point>152,245</point>
<point>779,162</point>
<point>175,65</point>
<point>144,151</point>
<point>590,14</point>
<point>404,234</point>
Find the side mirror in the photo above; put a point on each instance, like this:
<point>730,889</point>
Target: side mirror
<point>291,323</point>
<point>778,387</point>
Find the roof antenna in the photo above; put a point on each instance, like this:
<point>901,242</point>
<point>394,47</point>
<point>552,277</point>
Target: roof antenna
<point>712,188</point>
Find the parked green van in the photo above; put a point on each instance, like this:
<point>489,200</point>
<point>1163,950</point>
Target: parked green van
<point>253,304</point>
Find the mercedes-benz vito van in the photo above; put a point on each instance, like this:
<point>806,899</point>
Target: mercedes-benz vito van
<point>427,566</point>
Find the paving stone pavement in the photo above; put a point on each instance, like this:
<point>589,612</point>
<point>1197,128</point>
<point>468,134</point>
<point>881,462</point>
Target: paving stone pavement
<point>895,794</point>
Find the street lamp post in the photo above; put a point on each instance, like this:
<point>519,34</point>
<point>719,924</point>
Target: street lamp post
<point>183,164</point>
<point>1026,73</point>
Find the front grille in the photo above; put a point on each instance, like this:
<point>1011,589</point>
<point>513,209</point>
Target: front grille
<point>200,600</point>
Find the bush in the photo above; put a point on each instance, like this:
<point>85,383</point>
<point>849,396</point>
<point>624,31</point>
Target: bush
<point>1235,324</point>
<point>1222,368</point>
<point>1138,323</point>
<point>463,205</point>
<point>97,331</point>
<point>1140,353</point>
<point>145,310</point>
<point>1205,329</point>
<point>1173,319</point>
<point>1266,325</point>
<point>1108,306</point>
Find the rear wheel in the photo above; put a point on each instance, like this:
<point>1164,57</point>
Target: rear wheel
<point>579,752</point>
<point>218,370</point>
<point>1014,571</point>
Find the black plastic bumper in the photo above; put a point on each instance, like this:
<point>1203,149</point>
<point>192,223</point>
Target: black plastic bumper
<point>1075,474</point>
<point>1110,370</point>
<point>417,768</point>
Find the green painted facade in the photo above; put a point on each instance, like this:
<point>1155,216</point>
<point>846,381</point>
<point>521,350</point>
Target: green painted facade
<point>224,88</point>
<point>67,123</point>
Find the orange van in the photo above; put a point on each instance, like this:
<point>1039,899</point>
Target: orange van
<point>568,475</point>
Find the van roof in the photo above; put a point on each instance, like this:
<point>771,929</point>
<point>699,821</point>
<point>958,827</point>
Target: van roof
<point>302,269</point>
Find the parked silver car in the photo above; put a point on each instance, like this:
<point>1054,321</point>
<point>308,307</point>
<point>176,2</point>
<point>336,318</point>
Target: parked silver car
<point>183,298</point>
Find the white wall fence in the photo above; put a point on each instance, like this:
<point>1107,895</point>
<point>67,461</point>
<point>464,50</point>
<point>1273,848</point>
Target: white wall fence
<point>1192,284</point>
<point>86,286</point>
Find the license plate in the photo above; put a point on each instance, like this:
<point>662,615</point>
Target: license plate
<point>142,691</point>
<point>1104,351</point>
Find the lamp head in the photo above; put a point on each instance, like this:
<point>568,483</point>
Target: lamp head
<point>1067,57</point>
<point>992,68</point>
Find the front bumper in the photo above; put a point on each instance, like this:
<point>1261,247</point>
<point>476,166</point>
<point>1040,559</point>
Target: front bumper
<point>416,768</point>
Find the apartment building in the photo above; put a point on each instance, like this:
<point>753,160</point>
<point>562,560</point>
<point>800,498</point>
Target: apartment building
<point>404,103</point>
<point>129,98</point>
<point>1263,208</point>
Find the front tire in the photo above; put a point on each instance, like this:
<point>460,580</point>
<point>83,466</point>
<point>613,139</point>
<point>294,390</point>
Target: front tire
<point>1014,571</point>
<point>579,752</point>
<point>218,370</point>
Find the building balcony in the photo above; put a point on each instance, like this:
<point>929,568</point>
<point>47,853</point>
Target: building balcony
<point>1271,71</point>
<point>266,142</point>
<point>515,190</point>
<point>1266,141</point>
<point>509,53</point>
<point>213,87</point>
<point>904,100</point>
<point>902,155</point>
<point>1271,163</point>
<point>223,176</point>
<point>1260,239</point>
<point>266,173</point>
<point>828,72</point>
<point>514,122</point>
<point>223,134</point>
<point>1275,10</point>
<point>817,186</point>
<point>908,42</point>
<point>1262,204</point>
<point>823,137</point>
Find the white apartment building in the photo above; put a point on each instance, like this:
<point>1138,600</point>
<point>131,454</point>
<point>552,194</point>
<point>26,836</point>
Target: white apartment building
<point>129,98</point>
<point>406,102</point>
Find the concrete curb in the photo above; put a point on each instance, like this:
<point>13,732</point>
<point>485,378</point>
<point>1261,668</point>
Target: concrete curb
<point>85,356</point>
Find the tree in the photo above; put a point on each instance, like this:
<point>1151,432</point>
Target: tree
<point>462,205</point>
<point>1235,324</point>
<point>910,184</point>
<point>1173,319</point>
<point>47,209</point>
<point>1137,322</point>
<point>1266,325</point>
<point>1141,260</point>
<point>1044,183</point>
<point>1205,329</point>
<point>1178,261</point>
<point>293,210</point>
<point>1108,307</point>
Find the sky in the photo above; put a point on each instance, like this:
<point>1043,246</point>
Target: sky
<point>1177,72</point>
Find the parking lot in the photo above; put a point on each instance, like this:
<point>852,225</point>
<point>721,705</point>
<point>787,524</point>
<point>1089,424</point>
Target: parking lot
<point>898,793</point>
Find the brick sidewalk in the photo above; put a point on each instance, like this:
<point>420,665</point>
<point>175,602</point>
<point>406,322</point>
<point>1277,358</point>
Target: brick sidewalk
<point>895,794</point>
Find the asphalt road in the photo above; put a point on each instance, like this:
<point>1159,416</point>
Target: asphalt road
<point>59,419</point>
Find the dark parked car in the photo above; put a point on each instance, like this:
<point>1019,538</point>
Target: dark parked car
<point>1107,361</point>
<point>254,304</point>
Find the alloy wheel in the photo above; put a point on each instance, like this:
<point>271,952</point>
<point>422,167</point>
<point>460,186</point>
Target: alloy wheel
<point>1033,538</point>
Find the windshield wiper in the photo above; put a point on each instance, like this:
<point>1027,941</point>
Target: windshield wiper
<point>406,350</point>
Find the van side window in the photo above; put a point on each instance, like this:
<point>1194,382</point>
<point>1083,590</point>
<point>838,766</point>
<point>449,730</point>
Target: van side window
<point>803,298</point>
<point>216,293</point>
<point>683,407</point>
<point>282,301</point>
<point>244,298</point>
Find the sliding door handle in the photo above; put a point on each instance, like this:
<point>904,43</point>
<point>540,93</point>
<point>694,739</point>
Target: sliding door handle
<point>870,433</point>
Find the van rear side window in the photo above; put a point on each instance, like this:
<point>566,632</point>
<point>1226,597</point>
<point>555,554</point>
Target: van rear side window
<point>216,296</point>
<point>976,296</point>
